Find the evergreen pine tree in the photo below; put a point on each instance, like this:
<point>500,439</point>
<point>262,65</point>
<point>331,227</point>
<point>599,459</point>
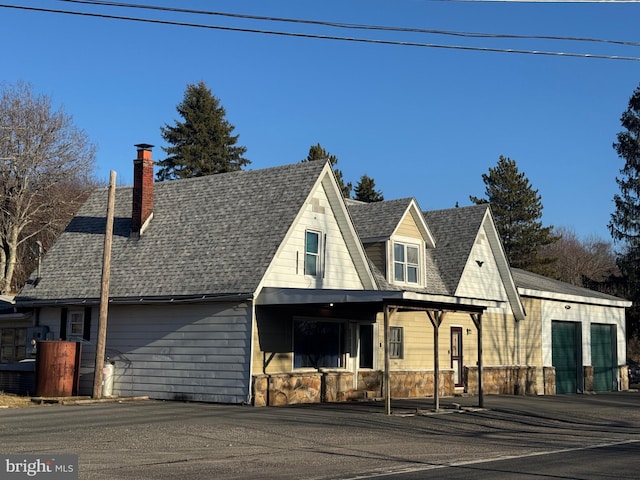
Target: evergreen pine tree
<point>365,190</point>
<point>201,144</point>
<point>316,152</point>
<point>625,221</point>
<point>517,209</point>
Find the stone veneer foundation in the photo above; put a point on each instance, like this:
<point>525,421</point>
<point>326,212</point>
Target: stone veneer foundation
<point>335,385</point>
<point>329,385</point>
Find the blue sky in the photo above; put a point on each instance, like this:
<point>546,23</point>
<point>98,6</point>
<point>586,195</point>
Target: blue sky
<point>423,122</point>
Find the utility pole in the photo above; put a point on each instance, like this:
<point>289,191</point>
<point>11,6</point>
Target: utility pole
<point>104,290</point>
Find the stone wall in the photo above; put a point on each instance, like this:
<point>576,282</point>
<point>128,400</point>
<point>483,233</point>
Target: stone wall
<point>549,374</point>
<point>286,389</point>
<point>414,384</point>
<point>330,386</point>
<point>502,380</point>
<point>588,378</point>
<point>623,375</point>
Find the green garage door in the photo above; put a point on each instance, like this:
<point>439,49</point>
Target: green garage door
<point>565,352</point>
<point>602,357</point>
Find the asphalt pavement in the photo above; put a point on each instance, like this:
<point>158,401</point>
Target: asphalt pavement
<point>563,436</point>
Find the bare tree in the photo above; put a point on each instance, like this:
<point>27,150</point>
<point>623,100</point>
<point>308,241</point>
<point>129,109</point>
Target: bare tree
<point>581,262</point>
<point>46,165</point>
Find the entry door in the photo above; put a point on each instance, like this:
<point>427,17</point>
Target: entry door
<point>456,355</point>
<point>365,352</point>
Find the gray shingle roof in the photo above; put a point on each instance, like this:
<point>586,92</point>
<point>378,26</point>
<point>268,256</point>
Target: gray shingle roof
<point>532,281</point>
<point>211,235</point>
<point>377,219</point>
<point>455,230</point>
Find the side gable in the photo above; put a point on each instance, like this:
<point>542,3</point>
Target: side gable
<point>466,236</point>
<point>343,264</point>
<point>487,273</point>
<point>212,236</point>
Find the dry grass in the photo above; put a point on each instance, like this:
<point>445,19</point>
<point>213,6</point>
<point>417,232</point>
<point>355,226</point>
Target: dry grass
<point>8,400</point>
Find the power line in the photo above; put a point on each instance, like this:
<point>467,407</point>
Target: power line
<point>360,26</point>
<point>328,37</point>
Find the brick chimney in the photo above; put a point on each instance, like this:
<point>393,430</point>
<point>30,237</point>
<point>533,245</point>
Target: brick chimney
<point>142,210</point>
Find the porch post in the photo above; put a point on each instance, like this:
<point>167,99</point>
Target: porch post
<point>436,318</point>
<point>387,387</point>
<point>477,319</point>
<point>436,365</point>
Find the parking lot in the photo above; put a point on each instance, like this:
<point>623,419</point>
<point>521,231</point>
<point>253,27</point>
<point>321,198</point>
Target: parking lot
<point>171,440</point>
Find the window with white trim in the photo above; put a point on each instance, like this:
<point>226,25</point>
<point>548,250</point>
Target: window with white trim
<point>312,249</point>
<point>406,263</point>
<point>396,343</point>
<point>75,325</point>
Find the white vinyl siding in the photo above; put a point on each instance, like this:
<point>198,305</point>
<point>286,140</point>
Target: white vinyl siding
<point>481,277</point>
<point>338,269</point>
<point>312,253</point>
<point>556,310</point>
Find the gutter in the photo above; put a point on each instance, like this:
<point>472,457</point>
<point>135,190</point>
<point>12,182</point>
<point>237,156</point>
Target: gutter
<point>141,300</point>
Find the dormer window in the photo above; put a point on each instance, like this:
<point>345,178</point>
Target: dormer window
<point>406,263</point>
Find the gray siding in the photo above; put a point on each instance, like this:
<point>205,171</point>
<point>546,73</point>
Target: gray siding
<point>377,254</point>
<point>177,352</point>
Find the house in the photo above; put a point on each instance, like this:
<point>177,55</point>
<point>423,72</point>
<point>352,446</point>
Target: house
<point>267,287</point>
<point>249,286</point>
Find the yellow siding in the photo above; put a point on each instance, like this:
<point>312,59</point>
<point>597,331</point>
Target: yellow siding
<point>418,340</point>
<point>408,228</point>
<point>531,333</point>
<point>499,342</point>
<point>499,346</point>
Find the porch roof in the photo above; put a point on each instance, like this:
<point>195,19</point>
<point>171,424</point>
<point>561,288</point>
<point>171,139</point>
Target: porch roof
<point>400,298</point>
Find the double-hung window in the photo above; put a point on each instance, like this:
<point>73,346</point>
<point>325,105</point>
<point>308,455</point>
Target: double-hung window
<point>406,263</point>
<point>75,325</point>
<point>395,342</point>
<point>312,253</point>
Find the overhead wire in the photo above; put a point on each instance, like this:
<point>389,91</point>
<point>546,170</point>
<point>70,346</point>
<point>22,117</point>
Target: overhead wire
<point>356,26</point>
<point>324,37</point>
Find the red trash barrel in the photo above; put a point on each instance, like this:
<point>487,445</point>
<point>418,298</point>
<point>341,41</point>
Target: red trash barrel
<point>57,368</point>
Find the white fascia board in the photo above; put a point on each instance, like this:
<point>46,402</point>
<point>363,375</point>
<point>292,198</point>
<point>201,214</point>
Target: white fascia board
<point>563,297</point>
<point>461,301</point>
<point>500,257</point>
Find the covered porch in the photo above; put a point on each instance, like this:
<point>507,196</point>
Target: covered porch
<point>313,346</point>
